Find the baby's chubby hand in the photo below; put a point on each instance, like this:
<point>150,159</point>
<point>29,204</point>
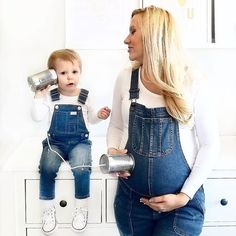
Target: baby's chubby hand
<point>41,93</point>
<point>104,113</point>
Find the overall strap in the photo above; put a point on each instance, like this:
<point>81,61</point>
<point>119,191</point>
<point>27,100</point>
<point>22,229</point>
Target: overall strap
<point>83,96</point>
<point>134,90</point>
<point>55,95</point>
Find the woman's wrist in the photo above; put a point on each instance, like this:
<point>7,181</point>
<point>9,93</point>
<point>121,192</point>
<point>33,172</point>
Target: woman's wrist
<point>112,150</point>
<point>183,198</point>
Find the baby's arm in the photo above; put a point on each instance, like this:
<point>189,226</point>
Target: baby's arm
<point>104,113</point>
<point>39,107</point>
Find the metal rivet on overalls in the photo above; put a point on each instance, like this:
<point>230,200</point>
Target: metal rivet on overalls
<point>56,107</point>
<point>86,135</point>
<point>79,108</point>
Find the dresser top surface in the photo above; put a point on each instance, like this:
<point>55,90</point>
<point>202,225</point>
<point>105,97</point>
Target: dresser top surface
<point>26,154</point>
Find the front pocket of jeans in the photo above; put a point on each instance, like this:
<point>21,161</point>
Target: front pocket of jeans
<point>188,221</point>
<point>153,136</point>
<point>199,200</point>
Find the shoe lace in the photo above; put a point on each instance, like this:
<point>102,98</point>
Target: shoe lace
<point>49,215</point>
<point>80,214</point>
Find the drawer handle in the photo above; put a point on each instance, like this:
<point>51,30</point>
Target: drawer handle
<point>223,202</point>
<point>63,203</point>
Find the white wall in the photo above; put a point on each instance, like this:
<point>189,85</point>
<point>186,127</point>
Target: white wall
<point>30,30</point>
<point>219,67</point>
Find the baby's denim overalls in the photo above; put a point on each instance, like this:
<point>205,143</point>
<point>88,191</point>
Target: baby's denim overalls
<point>68,136</point>
<point>160,168</point>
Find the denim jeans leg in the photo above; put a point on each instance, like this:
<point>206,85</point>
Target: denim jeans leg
<point>80,155</point>
<point>49,165</point>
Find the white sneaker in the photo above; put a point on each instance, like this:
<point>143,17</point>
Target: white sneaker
<point>80,219</point>
<point>49,223</point>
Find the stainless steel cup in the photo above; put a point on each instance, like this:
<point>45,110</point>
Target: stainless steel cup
<point>116,163</point>
<point>42,79</point>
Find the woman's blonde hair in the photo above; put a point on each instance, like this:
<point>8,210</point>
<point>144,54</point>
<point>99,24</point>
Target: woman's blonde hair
<point>66,55</point>
<point>163,62</point>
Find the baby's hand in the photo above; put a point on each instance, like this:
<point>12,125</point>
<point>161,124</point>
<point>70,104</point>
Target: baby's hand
<point>104,113</point>
<point>41,93</point>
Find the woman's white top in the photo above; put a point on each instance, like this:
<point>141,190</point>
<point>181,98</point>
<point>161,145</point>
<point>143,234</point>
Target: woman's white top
<point>199,140</point>
<point>42,109</point>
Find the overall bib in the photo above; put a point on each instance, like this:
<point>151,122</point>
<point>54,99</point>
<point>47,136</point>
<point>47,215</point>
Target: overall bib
<point>160,168</point>
<point>68,136</point>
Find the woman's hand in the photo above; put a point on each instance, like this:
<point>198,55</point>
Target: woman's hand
<point>114,151</point>
<point>166,202</point>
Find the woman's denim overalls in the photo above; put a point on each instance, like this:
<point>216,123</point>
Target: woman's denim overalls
<point>160,168</point>
<point>68,136</point>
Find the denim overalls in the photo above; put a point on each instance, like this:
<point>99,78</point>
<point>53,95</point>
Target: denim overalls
<point>160,168</point>
<point>68,136</point>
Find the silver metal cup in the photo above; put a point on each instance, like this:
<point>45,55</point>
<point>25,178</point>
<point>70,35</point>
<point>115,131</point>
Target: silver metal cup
<point>116,163</point>
<point>42,79</point>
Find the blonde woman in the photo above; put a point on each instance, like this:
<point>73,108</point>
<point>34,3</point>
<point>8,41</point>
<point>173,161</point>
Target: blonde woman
<point>160,114</point>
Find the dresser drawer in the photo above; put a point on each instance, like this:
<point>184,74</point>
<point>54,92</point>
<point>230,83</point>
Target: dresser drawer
<point>111,191</point>
<point>64,194</point>
<point>105,231</point>
<point>219,231</point>
<point>220,200</point>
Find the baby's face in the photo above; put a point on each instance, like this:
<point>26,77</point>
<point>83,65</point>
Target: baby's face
<point>68,76</point>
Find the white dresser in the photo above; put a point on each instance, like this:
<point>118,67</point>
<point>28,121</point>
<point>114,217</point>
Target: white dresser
<point>21,170</point>
<point>220,191</point>
<point>22,194</point>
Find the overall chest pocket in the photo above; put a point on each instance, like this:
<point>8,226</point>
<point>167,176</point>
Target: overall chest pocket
<point>67,122</point>
<point>153,137</point>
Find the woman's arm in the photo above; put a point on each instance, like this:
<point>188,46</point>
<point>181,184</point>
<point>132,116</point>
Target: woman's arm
<point>208,138</point>
<point>116,125</point>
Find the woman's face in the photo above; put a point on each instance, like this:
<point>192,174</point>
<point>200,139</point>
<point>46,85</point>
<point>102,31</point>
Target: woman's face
<point>134,41</point>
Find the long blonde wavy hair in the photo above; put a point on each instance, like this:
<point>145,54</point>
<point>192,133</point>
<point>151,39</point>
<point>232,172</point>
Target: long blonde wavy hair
<point>163,59</point>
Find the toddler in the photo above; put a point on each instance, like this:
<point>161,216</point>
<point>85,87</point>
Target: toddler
<point>68,110</point>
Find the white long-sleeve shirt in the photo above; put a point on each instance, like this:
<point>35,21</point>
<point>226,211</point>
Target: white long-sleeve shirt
<point>42,109</point>
<point>199,141</point>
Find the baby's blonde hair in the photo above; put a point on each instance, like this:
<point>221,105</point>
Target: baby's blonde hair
<point>66,55</point>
